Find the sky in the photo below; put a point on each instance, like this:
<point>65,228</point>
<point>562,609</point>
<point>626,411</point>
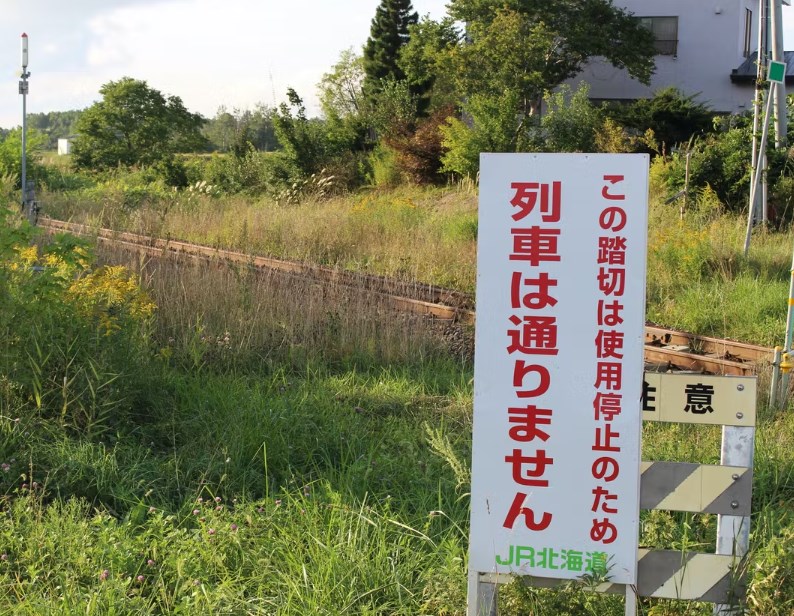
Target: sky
<point>235,53</point>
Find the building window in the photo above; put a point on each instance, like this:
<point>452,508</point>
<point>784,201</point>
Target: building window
<point>665,31</point>
<point>748,31</point>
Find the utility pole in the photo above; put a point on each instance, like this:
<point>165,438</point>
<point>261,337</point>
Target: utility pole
<point>778,55</point>
<point>770,26</point>
<point>23,90</point>
<point>775,76</point>
<point>756,164</point>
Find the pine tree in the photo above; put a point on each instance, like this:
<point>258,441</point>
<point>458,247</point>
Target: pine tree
<point>388,33</point>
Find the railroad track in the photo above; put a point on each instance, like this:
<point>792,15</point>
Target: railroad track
<point>665,349</point>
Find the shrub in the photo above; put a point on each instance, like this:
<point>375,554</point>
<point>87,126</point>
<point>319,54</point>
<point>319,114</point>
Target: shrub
<point>418,153</point>
<point>74,337</point>
<point>172,171</point>
<point>571,122</point>
<point>613,138</point>
<point>383,168</point>
<point>491,126</point>
<point>304,141</point>
<point>672,116</point>
<point>722,161</point>
<point>11,154</point>
<point>236,174</point>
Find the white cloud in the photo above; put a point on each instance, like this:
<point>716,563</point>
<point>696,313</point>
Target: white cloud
<point>209,52</point>
<point>235,53</point>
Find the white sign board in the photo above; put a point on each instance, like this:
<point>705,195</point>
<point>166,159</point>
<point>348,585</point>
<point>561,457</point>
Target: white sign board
<point>559,365</point>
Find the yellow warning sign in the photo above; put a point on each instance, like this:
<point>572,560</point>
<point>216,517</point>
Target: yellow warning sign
<point>699,399</point>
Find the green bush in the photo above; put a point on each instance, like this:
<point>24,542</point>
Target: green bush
<point>722,161</point>
<point>571,122</point>
<point>306,143</point>
<point>237,174</point>
<point>74,336</point>
<point>673,117</point>
<point>11,154</point>
<point>172,171</point>
<point>491,126</point>
<point>383,168</point>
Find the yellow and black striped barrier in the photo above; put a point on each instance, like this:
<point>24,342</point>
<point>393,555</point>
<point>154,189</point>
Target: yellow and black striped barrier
<point>725,490</point>
<point>698,488</point>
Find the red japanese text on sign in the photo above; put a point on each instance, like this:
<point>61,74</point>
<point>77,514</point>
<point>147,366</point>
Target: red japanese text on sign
<point>560,285</point>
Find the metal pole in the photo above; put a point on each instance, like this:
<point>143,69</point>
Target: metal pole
<point>631,601</point>
<point>784,379</point>
<point>754,187</point>
<point>778,55</point>
<point>759,78</point>
<point>774,396</point>
<point>686,185</point>
<point>23,90</point>
<point>24,143</point>
<point>760,199</point>
<point>733,531</point>
<point>762,168</point>
<point>482,596</point>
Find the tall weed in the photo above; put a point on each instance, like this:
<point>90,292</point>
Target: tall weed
<point>69,331</point>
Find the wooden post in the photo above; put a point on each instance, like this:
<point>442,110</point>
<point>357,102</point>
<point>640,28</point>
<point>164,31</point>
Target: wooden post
<point>686,184</point>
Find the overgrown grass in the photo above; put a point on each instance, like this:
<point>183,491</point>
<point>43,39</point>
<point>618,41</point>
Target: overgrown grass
<point>285,494</point>
<point>414,234</point>
<point>698,278</point>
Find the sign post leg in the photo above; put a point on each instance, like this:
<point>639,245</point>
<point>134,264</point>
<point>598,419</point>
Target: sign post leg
<point>631,600</point>
<point>482,596</point>
<point>733,532</point>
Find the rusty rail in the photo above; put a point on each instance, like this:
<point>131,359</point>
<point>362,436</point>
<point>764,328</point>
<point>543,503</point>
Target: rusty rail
<point>667,348</point>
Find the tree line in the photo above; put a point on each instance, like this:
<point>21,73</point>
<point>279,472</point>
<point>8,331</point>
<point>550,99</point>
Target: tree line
<point>225,131</point>
<point>418,102</point>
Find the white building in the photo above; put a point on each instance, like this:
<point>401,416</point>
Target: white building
<point>64,146</point>
<point>704,47</point>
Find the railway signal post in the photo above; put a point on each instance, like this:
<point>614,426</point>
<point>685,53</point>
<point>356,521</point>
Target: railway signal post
<point>28,208</point>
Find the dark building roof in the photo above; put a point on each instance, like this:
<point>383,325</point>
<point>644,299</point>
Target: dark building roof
<point>747,71</point>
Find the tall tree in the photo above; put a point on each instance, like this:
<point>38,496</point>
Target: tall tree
<point>303,140</point>
<point>514,52</point>
<point>425,61</point>
<point>134,124</point>
<point>342,99</point>
<point>387,35</point>
<point>221,130</point>
<point>340,90</point>
<point>531,46</point>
